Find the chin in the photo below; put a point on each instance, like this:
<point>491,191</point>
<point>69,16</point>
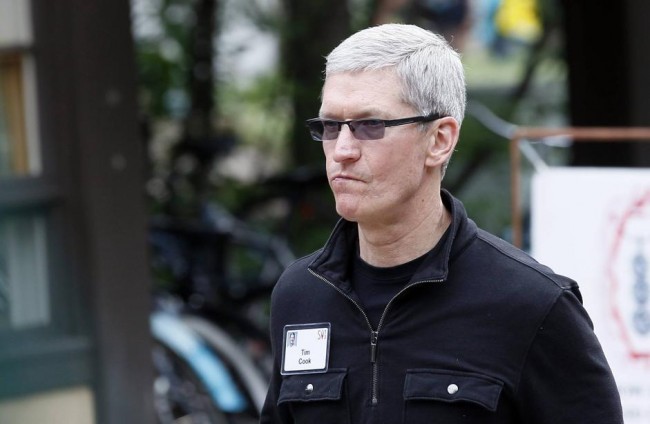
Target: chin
<point>346,212</point>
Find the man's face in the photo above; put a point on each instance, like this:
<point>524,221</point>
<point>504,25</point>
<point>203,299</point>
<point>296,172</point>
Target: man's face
<point>374,181</point>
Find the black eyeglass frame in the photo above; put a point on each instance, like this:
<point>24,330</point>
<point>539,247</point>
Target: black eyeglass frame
<point>385,122</point>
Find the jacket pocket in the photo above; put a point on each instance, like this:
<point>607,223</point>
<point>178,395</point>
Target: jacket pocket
<point>316,398</point>
<point>440,396</point>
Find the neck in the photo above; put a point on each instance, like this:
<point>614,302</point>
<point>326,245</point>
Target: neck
<point>402,241</point>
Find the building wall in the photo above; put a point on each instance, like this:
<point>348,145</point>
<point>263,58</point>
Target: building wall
<point>74,280</point>
<point>70,406</point>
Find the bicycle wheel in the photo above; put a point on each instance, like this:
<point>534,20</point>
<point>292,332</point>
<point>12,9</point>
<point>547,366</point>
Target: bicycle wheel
<point>179,395</point>
<point>250,376</point>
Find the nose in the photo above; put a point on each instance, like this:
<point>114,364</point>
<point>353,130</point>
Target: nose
<point>346,147</point>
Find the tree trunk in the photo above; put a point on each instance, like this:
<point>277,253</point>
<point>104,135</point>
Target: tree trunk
<point>200,78</point>
<point>313,28</point>
<point>608,64</point>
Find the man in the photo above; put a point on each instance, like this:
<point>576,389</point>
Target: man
<point>410,313</point>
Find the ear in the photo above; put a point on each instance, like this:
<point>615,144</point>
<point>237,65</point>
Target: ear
<point>443,137</point>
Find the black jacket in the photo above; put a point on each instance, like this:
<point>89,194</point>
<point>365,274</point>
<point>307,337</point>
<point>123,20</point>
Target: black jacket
<point>482,334</point>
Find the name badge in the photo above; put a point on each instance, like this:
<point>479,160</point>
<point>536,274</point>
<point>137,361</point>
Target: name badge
<point>306,348</point>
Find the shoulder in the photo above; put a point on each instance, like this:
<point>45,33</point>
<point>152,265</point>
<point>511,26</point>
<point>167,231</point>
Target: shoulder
<point>508,275</point>
<point>294,277</point>
<point>505,257</point>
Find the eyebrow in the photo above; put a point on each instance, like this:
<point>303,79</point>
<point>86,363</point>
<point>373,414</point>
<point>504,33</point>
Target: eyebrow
<point>361,114</point>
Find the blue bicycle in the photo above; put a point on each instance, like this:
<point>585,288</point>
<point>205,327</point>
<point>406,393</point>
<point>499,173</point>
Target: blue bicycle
<point>209,322</point>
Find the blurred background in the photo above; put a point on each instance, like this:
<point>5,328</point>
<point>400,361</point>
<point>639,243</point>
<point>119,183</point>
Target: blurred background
<point>156,176</point>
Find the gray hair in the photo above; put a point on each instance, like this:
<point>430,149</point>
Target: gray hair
<point>429,69</point>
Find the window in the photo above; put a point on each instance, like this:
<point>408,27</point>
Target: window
<point>38,326</point>
<point>19,153</point>
<point>23,273</point>
<point>24,300</point>
<point>15,149</point>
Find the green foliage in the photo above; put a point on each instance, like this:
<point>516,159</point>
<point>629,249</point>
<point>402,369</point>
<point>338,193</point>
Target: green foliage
<point>162,32</point>
<point>361,13</point>
<point>266,113</point>
<point>259,113</point>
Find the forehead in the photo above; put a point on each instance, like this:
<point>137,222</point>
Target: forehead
<point>364,92</point>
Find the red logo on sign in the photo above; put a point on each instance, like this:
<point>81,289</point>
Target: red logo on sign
<point>629,275</point>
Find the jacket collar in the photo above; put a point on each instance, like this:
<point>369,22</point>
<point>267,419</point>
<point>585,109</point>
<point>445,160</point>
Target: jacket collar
<point>332,261</point>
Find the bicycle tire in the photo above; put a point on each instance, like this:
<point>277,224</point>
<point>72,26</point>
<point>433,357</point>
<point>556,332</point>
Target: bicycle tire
<point>249,375</point>
<point>194,382</point>
<point>179,395</point>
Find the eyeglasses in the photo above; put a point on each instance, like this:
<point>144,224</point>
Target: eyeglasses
<point>363,129</point>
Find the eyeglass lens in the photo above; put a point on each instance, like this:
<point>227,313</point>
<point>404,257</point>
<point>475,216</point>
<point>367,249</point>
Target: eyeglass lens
<point>364,129</point>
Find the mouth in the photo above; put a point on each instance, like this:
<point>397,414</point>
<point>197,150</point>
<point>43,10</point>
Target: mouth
<point>344,178</point>
<point>341,179</point>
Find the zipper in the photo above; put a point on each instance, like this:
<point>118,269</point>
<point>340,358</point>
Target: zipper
<point>325,280</point>
<point>374,334</point>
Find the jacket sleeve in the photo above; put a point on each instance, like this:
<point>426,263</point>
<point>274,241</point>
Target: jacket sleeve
<point>565,377</point>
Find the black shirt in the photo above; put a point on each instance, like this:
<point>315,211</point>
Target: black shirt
<point>376,286</point>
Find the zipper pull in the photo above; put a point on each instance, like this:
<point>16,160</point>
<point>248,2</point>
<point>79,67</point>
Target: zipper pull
<point>373,346</point>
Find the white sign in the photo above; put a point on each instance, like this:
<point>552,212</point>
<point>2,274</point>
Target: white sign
<point>593,225</point>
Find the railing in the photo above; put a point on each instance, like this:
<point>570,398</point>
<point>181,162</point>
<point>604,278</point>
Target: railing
<point>519,135</point>
<point>576,134</point>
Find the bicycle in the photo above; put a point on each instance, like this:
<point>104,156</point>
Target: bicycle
<point>211,347</point>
